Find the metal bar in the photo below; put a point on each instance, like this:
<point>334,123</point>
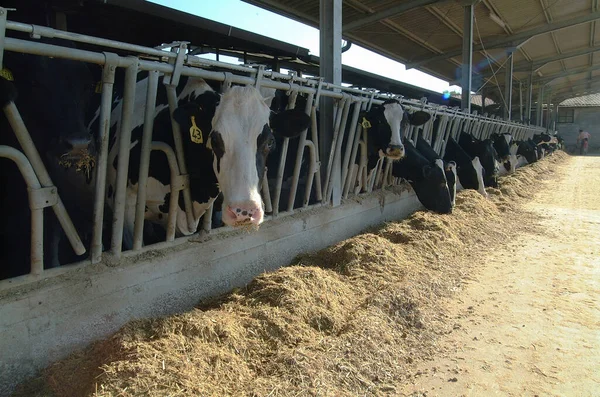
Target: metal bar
<point>337,144</point>
<point>37,214</point>
<point>140,209</point>
<point>175,187</point>
<point>349,147</point>
<point>108,79</point>
<point>467,57</point>
<point>508,85</point>
<point>529,98</point>
<point>187,196</point>
<point>20,130</point>
<point>341,105</point>
<point>540,106</point>
<point>3,23</point>
<point>299,156</point>
<point>120,197</point>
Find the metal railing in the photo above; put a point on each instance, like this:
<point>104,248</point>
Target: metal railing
<point>348,150</point>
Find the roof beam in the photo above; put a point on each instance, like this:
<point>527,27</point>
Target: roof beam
<point>550,77</point>
<point>518,38</point>
<point>528,66</point>
<point>387,13</point>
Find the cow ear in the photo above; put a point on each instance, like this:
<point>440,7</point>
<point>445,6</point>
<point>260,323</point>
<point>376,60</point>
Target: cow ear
<point>418,118</point>
<point>289,123</point>
<point>208,102</point>
<point>182,115</point>
<point>8,92</point>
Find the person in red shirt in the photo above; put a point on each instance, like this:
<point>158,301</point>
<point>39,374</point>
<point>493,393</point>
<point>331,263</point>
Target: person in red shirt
<point>583,137</point>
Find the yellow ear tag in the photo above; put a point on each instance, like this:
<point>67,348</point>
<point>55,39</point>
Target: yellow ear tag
<point>366,123</point>
<point>7,74</point>
<point>195,132</point>
<point>98,89</point>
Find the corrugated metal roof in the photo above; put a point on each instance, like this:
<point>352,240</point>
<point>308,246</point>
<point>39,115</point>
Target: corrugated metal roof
<point>427,31</point>
<point>582,101</point>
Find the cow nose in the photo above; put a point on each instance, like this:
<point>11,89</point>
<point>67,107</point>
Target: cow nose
<point>78,145</point>
<point>243,213</point>
<point>395,151</point>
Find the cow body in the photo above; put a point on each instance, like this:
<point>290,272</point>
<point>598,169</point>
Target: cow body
<point>427,179</point>
<point>485,151</point>
<point>449,166</point>
<point>468,169</point>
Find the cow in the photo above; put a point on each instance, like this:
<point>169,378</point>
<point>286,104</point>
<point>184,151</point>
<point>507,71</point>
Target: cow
<point>468,169</point>
<point>503,144</point>
<point>52,95</point>
<point>449,166</point>
<point>528,150</point>
<point>484,149</point>
<point>226,140</point>
<point>427,179</point>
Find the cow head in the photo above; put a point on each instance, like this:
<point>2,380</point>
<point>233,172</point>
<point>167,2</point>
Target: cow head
<point>432,191</point>
<point>241,137</point>
<point>502,145</point>
<point>53,96</point>
<point>490,162</point>
<point>528,150</point>
<point>385,124</point>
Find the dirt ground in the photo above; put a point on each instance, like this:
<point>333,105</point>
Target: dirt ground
<point>529,322</point>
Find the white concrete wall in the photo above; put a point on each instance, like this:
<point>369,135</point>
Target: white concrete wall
<point>45,321</point>
<point>587,119</point>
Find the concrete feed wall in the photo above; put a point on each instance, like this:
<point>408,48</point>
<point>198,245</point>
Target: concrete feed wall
<point>44,322</point>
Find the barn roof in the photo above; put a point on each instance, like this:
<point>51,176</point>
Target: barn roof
<point>556,39</point>
<point>592,100</point>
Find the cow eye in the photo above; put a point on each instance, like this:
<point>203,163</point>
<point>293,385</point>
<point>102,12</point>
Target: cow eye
<point>271,142</point>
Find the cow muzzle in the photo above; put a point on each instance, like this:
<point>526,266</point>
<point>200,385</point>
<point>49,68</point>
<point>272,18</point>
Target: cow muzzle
<point>243,214</point>
<point>395,152</point>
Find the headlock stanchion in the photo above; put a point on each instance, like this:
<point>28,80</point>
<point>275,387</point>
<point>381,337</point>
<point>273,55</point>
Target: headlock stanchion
<point>347,156</point>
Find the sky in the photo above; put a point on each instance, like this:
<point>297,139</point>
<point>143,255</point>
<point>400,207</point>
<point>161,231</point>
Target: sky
<point>257,20</point>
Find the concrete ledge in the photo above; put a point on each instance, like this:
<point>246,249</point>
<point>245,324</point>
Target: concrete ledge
<point>44,321</point>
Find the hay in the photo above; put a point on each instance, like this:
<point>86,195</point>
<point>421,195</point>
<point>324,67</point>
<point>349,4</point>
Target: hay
<point>348,320</point>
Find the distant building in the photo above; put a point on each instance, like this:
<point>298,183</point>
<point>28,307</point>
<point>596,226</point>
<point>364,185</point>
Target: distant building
<point>579,113</point>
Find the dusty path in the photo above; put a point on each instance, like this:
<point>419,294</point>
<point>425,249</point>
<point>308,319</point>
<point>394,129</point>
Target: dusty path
<point>529,323</point>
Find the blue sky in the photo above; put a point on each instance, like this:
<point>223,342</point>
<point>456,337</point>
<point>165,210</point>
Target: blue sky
<point>254,19</point>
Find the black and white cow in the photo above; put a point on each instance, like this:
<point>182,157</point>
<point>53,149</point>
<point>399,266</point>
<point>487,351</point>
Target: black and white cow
<point>449,166</point>
<point>52,95</point>
<point>468,169</point>
<point>386,123</point>
<point>528,150</point>
<point>226,140</point>
<point>503,143</point>
<point>484,149</point>
<point>426,177</point>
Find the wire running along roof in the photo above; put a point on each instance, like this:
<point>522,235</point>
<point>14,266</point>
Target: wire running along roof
<point>557,40</point>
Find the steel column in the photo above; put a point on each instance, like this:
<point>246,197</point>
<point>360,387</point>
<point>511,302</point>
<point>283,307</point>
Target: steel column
<point>108,80</point>
<point>124,143</point>
<point>508,83</point>
<point>330,68</point>
<point>521,101</point>
<point>529,98</point>
<point>467,57</point>
<point>540,106</point>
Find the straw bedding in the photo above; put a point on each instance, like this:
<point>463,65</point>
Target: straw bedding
<point>348,320</point>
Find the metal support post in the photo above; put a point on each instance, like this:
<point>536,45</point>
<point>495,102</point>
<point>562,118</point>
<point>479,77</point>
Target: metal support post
<point>529,98</point>
<point>123,159</point>
<point>140,208</point>
<point>540,106</point>
<point>467,57</point>
<point>330,68</point>
<point>108,80</point>
<point>508,85</point>
<point>521,101</point>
